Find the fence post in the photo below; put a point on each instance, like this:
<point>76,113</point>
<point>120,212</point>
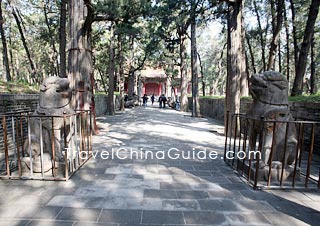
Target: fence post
<point>226,134</point>
<point>259,151</point>
<point>310,155</point>
<point>6,152</point>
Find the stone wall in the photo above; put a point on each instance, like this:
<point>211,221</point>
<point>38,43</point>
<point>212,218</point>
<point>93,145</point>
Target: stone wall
<point>214,108</point>
<point>101,104</point>
<point>18,102</point>
<point>29,102</point>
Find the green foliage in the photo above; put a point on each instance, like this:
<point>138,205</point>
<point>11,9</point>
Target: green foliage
<point>18,87</point>
<point>154,27</point>
<point>212,97</point>
<point>306,98</point>
<point>303,98</point>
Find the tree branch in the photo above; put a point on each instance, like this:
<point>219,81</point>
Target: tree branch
<point>141,63</point>
<point>90,15</point>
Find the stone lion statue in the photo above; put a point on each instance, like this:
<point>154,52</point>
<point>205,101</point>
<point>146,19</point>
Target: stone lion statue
<point>270,100</point>
<point>54,99</point>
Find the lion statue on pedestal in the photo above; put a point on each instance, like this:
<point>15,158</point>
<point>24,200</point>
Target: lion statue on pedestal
<point>270,101</point>
<point>54,100</point>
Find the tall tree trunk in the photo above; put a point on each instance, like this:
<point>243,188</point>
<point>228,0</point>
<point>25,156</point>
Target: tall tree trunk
<point>262,41</point>
<point>131,77</point>
<point>273,16</point>
<point>294,33</point>
<point>287,46</point>
<point>80,55</point>
<point>297,88</point>
<point>102,80</point>
<point>183,73</point>
<point>4,46</point>
<point>276,35</point>
<point>111,74</point>
<point>23,39</point>
<point>215,82</point>
<point>62,39</point>
<point>251,55</point>
<point>279,57</point>
<point>55,63</point>
<point>131,83</point>
<point>313,87</point>
<point>13,66</point>
<point>121,73</point>
<point>202,75</point>
<point>194,66</point>
<point>233,60</point>
<point>244,80</point>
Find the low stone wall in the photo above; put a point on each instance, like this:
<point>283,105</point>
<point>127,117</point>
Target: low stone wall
<point>29,102</point>
<point>214,108</point>
<point>101,104</point>
<point>18,102</point>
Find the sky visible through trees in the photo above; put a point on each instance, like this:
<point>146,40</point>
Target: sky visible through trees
<point>157,34</point>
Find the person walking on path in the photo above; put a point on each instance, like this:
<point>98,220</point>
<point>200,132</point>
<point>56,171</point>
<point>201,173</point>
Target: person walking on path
<point>144,100</point>
<point>162,101</point>
<point>152,99</point>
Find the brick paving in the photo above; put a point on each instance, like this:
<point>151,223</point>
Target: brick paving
<point>167,192</point>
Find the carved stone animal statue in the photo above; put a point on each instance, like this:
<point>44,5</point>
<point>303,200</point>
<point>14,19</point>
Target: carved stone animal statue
<point>270,101</point>
<point>54,100</point>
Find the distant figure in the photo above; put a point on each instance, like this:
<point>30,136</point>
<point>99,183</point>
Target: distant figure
<point>152,99</point>
<point>144,100</point>
<point>126,98</point>
<point>177,103</point>
<point>162,101</point>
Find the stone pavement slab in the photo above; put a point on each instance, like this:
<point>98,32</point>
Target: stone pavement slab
<point>135,188</point>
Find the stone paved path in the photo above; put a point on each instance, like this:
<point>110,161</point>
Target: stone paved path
<point>132,192</point>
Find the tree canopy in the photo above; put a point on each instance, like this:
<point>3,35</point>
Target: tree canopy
<point>278,35</point>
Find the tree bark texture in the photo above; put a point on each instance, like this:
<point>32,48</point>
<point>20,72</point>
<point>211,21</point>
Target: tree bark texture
<point>279,57</point>
<point>244,80</point>
<point>80,56</point>
<point>233,60</point>
<point>294,33</point>
<point>262,41</point>
<point>297,88</point>
<point>4,46</point>
<point>276,35</point>
<point>202,75</point>
<point>183,73</point>
<point>287,46</point>
<point>121,72</point>
<point>313,88</point>
<point>194,67</point>
<point>111,110</point>
<point>131,77</point>
<point>13,66</point>
<point>273,15</point>
<point>253,65</point>
<point>63,39</point>
<point>102,80</point>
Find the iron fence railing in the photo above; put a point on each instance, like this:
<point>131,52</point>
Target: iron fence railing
<point>273,154</point>
<point>44,147</point>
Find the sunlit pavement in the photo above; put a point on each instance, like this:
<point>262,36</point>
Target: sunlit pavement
<point>133,181</point>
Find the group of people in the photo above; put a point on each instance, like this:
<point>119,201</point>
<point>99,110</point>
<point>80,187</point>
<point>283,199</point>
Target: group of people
<point>162,100</point>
